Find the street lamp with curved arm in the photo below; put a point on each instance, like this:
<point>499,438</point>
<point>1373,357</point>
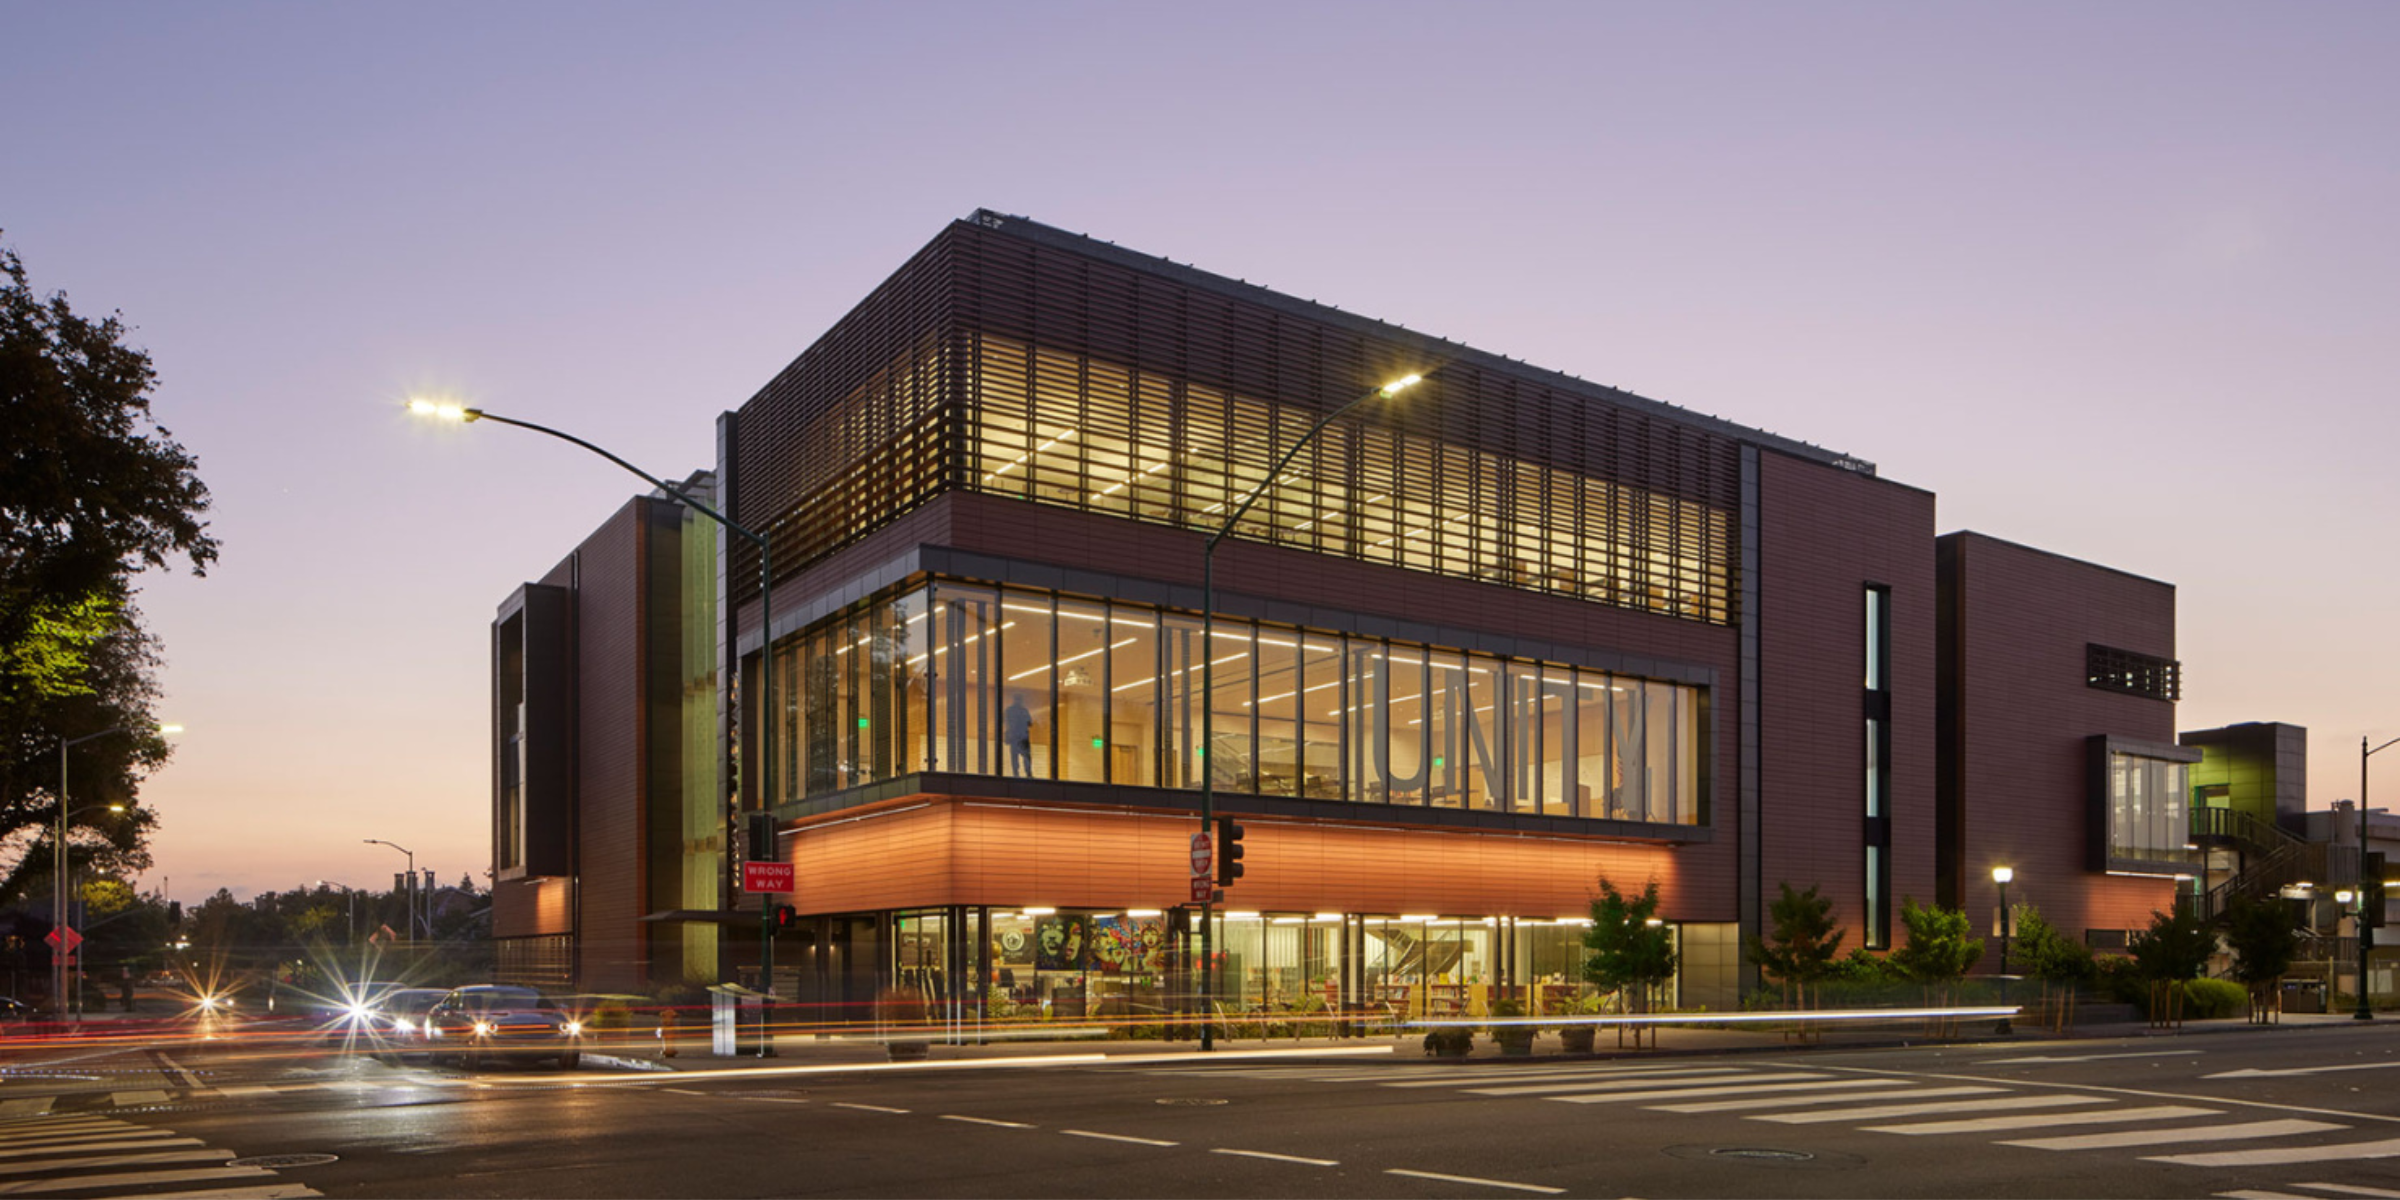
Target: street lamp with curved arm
<point>463,414</point>
<point>412,884</point>
<point>1208,675</point>
<point>59,999</point>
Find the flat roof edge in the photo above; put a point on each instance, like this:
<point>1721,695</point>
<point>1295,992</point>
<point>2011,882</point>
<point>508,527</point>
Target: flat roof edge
<point>1085,244</point>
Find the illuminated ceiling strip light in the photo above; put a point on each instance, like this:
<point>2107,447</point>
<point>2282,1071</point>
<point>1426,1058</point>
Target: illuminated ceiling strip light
<point>1077,658</point>
<point>1361,504</point>
<point>965,641</point>
<point>1022,458</point>
<point>1128,481</point>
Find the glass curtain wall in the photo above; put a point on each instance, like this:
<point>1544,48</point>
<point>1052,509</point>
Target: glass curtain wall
<point>2146,809</point>
<point>1001,681</point>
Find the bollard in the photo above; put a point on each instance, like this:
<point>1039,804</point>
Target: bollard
<point>666,1033</point>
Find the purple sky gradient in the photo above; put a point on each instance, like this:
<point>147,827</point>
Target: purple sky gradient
<point>2119,282</point>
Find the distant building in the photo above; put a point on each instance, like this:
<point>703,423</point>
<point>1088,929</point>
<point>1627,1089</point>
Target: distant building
<point>1479,645</point>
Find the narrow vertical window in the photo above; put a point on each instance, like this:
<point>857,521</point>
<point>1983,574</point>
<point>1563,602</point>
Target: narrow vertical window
<point>1875,779</point>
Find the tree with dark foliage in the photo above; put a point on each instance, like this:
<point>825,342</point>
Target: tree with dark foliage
<point>92,492</point>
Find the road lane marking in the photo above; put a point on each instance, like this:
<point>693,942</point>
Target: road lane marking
<point>235,1090</point>
<point>2351,1189</point>
<point>1880,1112</point>
<point>868,1107</point>
<point>1636,1086</point>
<point>1469,1075</point>
<point>2164,1112</point>
<point>2258,1195</point>
<point>1887,1089</point>
<point>2188,1133</point>
<point>38,1187</point>
<point>1290,1158</point>
<point>1743,1089</point>
<point>1469,1179</point>
<point>135,1099</point>
<point>29,1106</point>
<point>2044,1059</point>
<point>683,1091</point>
<point>1117,1137</point>
<point>272,1191</point>
<point>986,1121</point>
<point>159,1158</point>
<point>2264,1156</point>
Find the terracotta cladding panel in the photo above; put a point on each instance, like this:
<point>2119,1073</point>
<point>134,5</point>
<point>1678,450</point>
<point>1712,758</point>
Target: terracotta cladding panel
<point>524,908</point>
<point>966,853</point>
<point>610,733</point>
<point>1825,535</point>
<point>2026,618</point>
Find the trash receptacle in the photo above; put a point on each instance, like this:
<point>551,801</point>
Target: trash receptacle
<point>737,1020</point>
<point>2304,995</point>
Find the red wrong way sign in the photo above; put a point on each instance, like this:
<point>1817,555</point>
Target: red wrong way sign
<point>767,877</point>
<point>1204,889</point>
<point>1203,855</point>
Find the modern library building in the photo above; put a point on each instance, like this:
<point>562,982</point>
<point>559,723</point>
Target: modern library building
<point>1468,646</point>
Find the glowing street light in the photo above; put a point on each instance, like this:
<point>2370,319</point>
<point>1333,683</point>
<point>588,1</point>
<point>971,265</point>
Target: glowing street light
<point>443,410</point>
<point>59,997</point>
<point>1208,672</point>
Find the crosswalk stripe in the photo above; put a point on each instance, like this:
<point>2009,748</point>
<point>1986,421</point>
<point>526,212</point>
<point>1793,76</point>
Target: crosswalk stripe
<point>57,1121</point>
<point>2253,1194</point>
<point>243,1089</point>
<point>1456,1079</point>
<point>29,1106</point>
<point>2163,1112</point>
<point>2264,1155</point>
<point>2187,1133</point>
<point>133,1099</point>
<point>153,1158</point>
<point>2351,1189</point>
<point>1885,1089</point>
<point>271,1191</point>
<point>1646,1085</point>
<point>1880,1112</point>
<point>1731,1089</point>
<point>36,1187</point>
<point>52,1133</point>
<point>103,1142</point>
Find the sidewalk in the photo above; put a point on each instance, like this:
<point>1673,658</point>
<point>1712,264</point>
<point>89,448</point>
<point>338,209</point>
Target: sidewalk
<point>804,1050</point>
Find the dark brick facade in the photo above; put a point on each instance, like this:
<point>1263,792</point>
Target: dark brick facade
<point>2017,718</point>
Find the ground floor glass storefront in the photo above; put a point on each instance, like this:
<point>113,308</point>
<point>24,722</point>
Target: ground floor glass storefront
<point>973,679</point>
<point>1133,969</point>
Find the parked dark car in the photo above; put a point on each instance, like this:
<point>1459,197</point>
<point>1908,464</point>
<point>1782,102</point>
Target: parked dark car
<point>476,1025</point>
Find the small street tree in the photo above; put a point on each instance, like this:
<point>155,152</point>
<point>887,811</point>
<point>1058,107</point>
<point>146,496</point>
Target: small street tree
<point>2061,963</point>
<point>2265,941</point>
<point>1801,945</point>
<point>1941,947</point>
<point>2175,948</point>
<point>1630,950</point>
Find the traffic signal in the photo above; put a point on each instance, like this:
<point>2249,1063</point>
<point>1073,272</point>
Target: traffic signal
<point>765,845</point>
<point>1229,851</point>
<point>783,918</point>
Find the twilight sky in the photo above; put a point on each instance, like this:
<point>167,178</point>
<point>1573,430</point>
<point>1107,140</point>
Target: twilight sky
<point>2116,281</point>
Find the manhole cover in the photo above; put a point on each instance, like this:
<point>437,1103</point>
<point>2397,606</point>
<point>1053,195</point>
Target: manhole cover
<point>1769,1156</point>
<point>285,1160</point>
<point>1192,1103</point>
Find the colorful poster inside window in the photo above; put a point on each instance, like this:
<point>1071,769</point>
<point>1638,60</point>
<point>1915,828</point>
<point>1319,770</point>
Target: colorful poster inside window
<point>1061,942</point>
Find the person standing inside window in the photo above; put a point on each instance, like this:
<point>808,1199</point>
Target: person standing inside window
<point>1016,732</point>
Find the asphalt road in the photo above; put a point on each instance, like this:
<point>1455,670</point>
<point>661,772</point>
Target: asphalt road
<point>2292,1112</point>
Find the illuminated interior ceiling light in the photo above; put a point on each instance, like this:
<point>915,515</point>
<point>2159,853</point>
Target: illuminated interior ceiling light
<point>1038,911</point>
<point>1290,920</point>
<point>1328,916</point>
<point>1420,918</point>
<point>1145,912</point>
<point>1021,459</point>
<point>1121,485</point>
